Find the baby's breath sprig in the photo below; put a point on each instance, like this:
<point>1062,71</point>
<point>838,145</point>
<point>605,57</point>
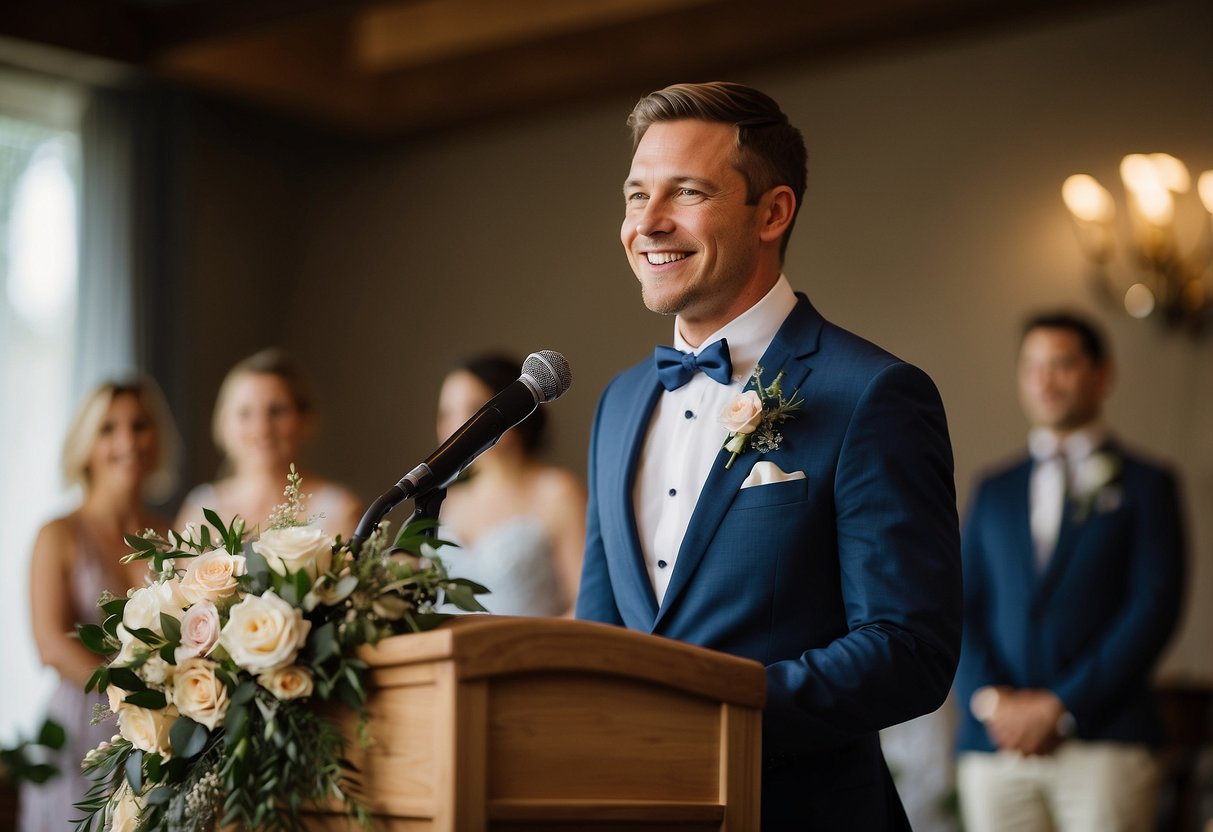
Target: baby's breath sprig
<point>287,514</point>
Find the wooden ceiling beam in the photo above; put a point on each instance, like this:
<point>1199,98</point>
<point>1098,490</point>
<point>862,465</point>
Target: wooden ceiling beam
<point>402,35</point>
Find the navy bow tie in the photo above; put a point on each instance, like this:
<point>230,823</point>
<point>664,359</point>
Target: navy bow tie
<point>675,368</point>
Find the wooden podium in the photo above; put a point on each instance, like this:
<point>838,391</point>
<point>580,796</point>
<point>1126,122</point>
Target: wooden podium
<point>505,724</point>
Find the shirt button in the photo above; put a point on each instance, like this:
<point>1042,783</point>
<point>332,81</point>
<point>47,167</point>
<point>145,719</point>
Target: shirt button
<point>690,414</point>
<point>673,491</point>
<point>661,564</point>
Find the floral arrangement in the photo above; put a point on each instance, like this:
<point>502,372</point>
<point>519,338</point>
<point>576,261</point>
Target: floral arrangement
<point>752,417</point>
<point>218,661</point>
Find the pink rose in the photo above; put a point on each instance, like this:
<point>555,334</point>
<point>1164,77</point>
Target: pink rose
<point>199,631</point>
<point>743,414</point>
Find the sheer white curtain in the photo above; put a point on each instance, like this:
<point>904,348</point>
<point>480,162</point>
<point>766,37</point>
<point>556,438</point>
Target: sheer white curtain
<point>66,321</point>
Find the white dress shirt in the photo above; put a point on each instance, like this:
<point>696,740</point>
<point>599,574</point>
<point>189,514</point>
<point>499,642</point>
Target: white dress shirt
<point>685,433</point>
<point>1057,466</point>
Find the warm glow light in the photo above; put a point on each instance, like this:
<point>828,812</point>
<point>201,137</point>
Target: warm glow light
<point>1155,203</point>
<point>1204,186</point>
<point>1087,199</point>
<point>1172,173</point>
<point>1139,173</point>
<point>1139,300</point>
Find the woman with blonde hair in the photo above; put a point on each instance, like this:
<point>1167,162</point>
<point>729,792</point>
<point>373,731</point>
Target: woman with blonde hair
<point>121,449</point>
<point>264,418</point>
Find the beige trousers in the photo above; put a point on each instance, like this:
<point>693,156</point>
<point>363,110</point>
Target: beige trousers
<point>1081,787</point>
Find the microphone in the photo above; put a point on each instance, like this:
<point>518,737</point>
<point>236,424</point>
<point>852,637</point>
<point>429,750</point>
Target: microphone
<point>545,377</point>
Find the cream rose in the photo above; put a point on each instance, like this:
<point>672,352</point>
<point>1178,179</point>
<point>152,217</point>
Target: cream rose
<point>147,729</point>
<point>293,682</point>
<point>199,631</point>
<point>198,693</point>
<point>125,808</point>
<point>115,695</point>
<point>144,606</point>
<point>264,633</point>
<point>211,576</point>
<point>295,549</point>
<point>743,414</point>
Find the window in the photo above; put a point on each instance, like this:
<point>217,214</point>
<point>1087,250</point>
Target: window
<point>39,198</point>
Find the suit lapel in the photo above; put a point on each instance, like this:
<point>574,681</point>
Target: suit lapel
<point>797,338</point>
<point>634,430</point>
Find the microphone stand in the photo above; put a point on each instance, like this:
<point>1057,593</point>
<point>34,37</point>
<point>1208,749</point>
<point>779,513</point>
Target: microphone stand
<point>426,507</point>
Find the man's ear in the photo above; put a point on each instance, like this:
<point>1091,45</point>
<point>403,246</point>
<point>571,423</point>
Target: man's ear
<point>776,209</point>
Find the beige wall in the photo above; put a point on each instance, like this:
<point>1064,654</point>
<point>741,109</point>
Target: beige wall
<point>933,223</point>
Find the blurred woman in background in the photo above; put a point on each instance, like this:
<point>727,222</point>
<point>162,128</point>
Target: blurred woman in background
<point>519,521</point>
<point>121,448</point>
<point>264,418</point>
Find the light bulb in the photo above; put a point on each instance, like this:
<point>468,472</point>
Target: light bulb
<point>1087,199</point>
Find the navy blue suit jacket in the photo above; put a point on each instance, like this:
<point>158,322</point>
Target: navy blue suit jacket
<point>1092,624</point>
<point>845,584</point>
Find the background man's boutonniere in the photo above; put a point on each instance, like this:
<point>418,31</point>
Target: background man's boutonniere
<point>1093,484</point>
<point>752,416</point>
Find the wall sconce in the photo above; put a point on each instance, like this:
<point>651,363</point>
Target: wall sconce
<point>1171,284</point>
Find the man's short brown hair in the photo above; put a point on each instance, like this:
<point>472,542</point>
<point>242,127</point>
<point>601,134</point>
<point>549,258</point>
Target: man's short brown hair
<point>769,150</point>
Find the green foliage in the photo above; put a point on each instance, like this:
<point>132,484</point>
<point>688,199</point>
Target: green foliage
<point>25,762</point>
<point>266,758</point>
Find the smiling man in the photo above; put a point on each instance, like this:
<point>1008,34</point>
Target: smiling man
<point>823,543</point>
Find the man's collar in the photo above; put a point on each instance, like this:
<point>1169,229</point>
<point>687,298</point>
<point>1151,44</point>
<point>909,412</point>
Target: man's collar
<point>1076,445</point>
<point>751,332</point>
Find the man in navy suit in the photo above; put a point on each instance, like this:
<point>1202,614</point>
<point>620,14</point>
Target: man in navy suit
<point>823,540</point>
<point>1074,561</point>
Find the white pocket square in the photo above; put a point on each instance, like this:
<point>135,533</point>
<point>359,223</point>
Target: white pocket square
<point>768,473</point>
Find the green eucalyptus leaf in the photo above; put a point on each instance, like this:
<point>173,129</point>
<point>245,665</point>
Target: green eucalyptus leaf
<point>134,770</point>
<point>151,699</point>
<point>171,627</point>
<point>94,638</point>
<point>51,734</point>
<point>126,679</point>
<point>245,692</point>
<point>187,737</point>
<point>114,607</point>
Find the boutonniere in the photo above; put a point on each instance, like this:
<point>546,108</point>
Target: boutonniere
<point>1093,484</point>
<point>752,417</point>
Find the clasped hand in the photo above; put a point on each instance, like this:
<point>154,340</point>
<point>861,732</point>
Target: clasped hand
<point>1026,721</point>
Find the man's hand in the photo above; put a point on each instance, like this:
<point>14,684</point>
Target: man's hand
<point>1026,721</point>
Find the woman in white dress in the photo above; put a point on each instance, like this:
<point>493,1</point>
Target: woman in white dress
<point>519,521</point>
<point>120,449</point>
<point>264,418</point>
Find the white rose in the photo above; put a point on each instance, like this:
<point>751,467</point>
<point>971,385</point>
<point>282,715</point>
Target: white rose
<point>211,576</point>
<point>264,633</point>
<point>125,808</point>
<point>293,682</point>
<point>295,549</point>
<point>743,414</point>
<point>147,729</point>
<point>1095,472</point>
<point>144,606</point>
<point>199,631</point>
<point>198,693</point>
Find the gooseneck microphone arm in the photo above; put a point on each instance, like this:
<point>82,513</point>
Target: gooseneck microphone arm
<point>545,376</point>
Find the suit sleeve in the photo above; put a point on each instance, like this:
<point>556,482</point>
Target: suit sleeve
<point>1133,642</point>
<point>979,666</point>
<point>596,597</point>
<point>900,578</point>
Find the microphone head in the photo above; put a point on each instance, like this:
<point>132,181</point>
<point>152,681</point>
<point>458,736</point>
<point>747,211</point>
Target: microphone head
<point>550,372</point>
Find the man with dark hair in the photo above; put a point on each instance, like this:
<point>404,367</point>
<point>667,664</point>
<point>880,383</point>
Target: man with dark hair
<point>772,486</point>
<point>1074,561</point>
